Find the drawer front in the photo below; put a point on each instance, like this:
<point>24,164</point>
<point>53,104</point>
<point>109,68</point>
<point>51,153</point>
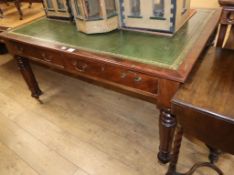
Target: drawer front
<point>48,56</point>
<point>131,79</point>
<point>112,73</point>
<point>82,66</point>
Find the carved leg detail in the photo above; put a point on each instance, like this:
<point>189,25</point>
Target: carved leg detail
<point>1,13</point>
<point>30,4</point>
<point>27,73</point>
<point>175,156</point>
<point>176,151</point>
<point>17,5</point>
<point>167,123</point>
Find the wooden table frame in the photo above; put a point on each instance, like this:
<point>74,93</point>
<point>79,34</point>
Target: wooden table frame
<point>166,80</point>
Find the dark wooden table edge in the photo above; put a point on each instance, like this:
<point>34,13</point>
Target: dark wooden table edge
<point>201,110</point>
<point>206,36</point>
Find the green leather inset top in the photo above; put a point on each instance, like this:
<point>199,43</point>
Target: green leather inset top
<point>163,51</point>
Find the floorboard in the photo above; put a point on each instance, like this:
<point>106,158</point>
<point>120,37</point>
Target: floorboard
<point>82,129</point>
<point>12,164</point>
<point>11,17</point>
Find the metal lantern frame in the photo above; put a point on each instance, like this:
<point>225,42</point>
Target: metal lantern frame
<point>95,16</point>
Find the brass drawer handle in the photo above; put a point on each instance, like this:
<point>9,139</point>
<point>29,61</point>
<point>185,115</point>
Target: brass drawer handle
<point>125,74</point>
<point>79,67</point>
<point>46,58</point>
<point>137,79</point>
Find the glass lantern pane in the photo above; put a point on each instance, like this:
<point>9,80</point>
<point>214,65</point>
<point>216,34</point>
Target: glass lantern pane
<point>92,9</point>
<point>110,7</point>
<point>49,4</point>
<point>158,8</point>
<point>77,6</point>
<point>135,7</point>
<point>184,4</point>
<point>61,5</point>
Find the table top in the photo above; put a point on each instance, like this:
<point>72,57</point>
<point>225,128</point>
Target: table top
<point>161,56</point>
<point>210,89</point>
<point>164,51</point>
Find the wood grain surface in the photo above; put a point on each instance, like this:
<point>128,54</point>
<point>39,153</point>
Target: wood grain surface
<point>97,131</point>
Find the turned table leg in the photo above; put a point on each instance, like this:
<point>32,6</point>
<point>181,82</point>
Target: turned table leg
<point>167,123</point>
<point>30,4</point>
<point>176,151</point>
<point>17,5</point>
<point>1,13</point>
<point>175,157</point>
<point>27,73</point>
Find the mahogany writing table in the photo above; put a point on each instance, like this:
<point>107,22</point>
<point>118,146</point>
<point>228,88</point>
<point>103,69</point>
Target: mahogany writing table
<point>147,66</point>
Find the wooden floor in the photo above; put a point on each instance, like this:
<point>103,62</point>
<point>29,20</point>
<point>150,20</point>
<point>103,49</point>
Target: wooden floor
<point>11,17</point>
<point>81,129</point>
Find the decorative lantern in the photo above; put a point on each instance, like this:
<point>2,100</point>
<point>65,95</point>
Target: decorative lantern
<point>57,9</point>
<point>95,16</point>
<point>101,16</point>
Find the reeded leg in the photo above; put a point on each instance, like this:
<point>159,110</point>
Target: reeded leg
<point>30,4</point>
<point>176,151</point>
<point>27,73</point>
<point>167,123</point>
<point>17,5</point>
<point>175,157</point>
<point>1,13</point>
<point>222,33</point>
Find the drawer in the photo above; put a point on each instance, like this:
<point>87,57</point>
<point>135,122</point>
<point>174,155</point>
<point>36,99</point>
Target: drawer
<point>131,79</point>
<point>38,53</point>
<point>83,66</point>
<point>113,74</point>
